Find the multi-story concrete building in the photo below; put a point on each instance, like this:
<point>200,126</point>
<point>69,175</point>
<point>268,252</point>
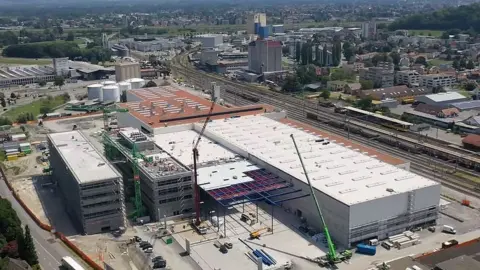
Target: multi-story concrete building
<point>210,40</point>
<point>369,29</point>
<point>256,18</point>
<point>382,75</point>
<point>437,80</point>
<point>264,56</point>
<point>91,187</point>
<point>407,77</point>
<point>60,66</point>
<point>127,70</point>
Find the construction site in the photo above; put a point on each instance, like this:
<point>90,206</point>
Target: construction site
<point>222,184</point>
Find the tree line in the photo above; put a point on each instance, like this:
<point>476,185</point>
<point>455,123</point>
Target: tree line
<point>464,18</point>
<point>56,49</point>
<point>15,242</point>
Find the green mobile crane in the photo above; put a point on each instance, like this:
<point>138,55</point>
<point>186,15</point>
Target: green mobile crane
<point>110,146</point>
<point>332,256</point>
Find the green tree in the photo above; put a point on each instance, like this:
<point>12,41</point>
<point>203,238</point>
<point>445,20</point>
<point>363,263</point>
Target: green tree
<point>42,83</point>
<point>463,63</point>
<point>421,60</point>
<point>325,94</point>
<point>348,51</point>
<point>365,103</point>
<point>70,36</point>
<point>298,51</point>
<point>366,84</point>
<point>470,86</point>
<point>470,64</point>
<point>27,251</point>
<point>456,64</point>
<point>3,103</point>
<point>395,58</point>
<point>59,81</point>
<point>291,84</point>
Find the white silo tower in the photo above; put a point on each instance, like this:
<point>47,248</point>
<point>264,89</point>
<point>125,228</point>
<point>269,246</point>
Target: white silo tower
<point>111,93</point>
<point>95,92</point>
<point>137,83</point>
<point>105,83</point>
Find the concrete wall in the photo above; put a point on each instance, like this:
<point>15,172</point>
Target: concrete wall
<point>125,119</point>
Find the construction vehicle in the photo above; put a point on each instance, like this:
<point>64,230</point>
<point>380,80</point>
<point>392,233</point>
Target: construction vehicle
<point>256,234</point>
<point>195,159</point>
<point>332,256</point>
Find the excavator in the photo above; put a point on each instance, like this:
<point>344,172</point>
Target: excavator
<point>332,256</point>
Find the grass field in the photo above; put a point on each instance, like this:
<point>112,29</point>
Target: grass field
<point>437,62</point>
<point>33,108</point>
<point>433,33</point>
<point>24,61</point>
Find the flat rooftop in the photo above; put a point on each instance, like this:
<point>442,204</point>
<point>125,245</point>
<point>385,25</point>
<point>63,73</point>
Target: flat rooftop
<point>347,174</point>
<point>179,145</point>
<point>84,161</point>
<point>225,175</point>
<point>168,105</point>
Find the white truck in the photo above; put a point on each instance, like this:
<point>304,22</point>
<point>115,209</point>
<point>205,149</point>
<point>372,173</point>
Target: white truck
<point>449,229</point>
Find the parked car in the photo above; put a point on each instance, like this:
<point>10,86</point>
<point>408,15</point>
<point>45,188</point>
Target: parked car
<point>148,250</point>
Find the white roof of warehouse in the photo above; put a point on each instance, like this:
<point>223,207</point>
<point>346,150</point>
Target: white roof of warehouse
<point>180,144</point>
<point>338,171</point>
<point>85,162</point>
<point>440,97</point>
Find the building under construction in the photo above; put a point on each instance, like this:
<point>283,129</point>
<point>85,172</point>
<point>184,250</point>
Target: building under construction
<point>91,187</point>
<point>165,184</point>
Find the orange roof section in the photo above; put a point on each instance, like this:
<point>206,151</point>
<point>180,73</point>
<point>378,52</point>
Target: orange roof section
<point>167,105</point>
<point>381,156</point>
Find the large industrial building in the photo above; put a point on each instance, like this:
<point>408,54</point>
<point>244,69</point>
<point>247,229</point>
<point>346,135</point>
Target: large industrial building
<point>265,56</point>
<point>24,75</point>
<point>127,70</point>
<point>247,154</point>
<point>91,187</point>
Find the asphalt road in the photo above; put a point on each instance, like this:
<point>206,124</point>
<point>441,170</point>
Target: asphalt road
<point>49,252</point>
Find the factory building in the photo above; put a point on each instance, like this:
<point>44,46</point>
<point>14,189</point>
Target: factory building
<point>24,75</point>
<point>364,194</point>
<point>361,196</point>
<point>264,56</point>
<point>442,99</point>
<point>127,70</point>
<point>210,40</point>
<point>92,189</point>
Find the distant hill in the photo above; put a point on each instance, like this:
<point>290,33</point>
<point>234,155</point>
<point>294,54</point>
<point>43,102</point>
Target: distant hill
<point>463,18</point>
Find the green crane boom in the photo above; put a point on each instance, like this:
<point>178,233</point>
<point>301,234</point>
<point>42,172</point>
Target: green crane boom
<point>139,210</point>
<point>332,256</point>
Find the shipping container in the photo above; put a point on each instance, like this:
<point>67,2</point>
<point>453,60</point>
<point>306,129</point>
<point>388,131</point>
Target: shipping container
<point>366,249</point>
<point>18,137</point>
<point>407,244</point>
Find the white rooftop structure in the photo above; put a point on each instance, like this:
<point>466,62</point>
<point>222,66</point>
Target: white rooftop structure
<point>343,173</point>
<point>180,144</point>
<point>448,96</point>
<point>225,175</point>
<point>82,158</point>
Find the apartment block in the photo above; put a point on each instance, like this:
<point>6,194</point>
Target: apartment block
<point>407,77</point>
<point>382,75</point>
<point>437,80</point>
<point>92,189</point>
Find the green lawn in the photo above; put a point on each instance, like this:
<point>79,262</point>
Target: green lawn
<point>33,108</point>
<point>24,61</point>
<point>433,33</point>
<point>437,62</point>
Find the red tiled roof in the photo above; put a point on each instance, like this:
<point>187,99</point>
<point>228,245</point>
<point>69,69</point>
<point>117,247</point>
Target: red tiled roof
<point>472,139</point>
<point>172,106</point>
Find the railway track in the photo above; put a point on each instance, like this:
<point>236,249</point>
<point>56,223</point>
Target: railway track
<point>419,163</point>
<point>203,80</point>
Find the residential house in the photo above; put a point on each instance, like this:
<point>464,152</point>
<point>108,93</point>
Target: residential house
<point>352,88</point>
<point>472,142</point>
<point>336,85</point>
